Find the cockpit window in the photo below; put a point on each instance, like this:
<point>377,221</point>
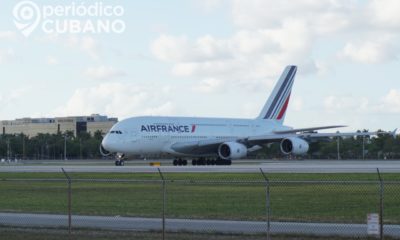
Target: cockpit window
<point>116,132</point>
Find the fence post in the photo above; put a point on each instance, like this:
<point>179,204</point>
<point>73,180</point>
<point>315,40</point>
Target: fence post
<point>268,204</point>
<point>381,185</point>
<point>69,203</point>
<point>164,201</point>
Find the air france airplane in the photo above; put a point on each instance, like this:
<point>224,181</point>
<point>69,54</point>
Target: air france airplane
<point>219,140</point>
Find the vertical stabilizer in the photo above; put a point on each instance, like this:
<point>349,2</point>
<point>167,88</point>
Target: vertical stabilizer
<point>278,101</point>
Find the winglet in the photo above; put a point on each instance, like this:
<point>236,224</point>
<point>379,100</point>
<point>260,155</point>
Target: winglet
<point>393,133</point>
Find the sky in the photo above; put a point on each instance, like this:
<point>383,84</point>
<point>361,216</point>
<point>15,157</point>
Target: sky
<point>212,58</point>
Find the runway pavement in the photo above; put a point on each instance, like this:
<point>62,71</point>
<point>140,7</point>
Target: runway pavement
<point>190,225</point>
<point>293,166</point>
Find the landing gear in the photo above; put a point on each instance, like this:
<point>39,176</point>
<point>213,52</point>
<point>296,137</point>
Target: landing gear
<point>119,159</point>
<point>119,163</point>
<point>223,162</point>
<point>180,162</point>
<point>203,162</point>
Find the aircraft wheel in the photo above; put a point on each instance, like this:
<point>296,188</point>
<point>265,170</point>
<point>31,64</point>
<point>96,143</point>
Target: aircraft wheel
<point>194,162</point>
<point>121,163</point>
<point>208,162</point>
<point>184,162</point>
<point>117,163</point>
<point>175,162</point>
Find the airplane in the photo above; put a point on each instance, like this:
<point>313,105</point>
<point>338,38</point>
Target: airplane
<point>215,141</point>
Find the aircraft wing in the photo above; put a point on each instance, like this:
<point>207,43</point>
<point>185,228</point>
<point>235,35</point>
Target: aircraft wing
<point>307,129</point>
<point>211,145</point>
<point>264,139</point>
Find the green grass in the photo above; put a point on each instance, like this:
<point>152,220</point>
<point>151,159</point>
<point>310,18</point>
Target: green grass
<point>290,201</point>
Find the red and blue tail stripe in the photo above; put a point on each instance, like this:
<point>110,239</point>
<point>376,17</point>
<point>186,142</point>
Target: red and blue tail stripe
<point>276,106</point>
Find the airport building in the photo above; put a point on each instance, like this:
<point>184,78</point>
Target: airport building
<point>76,124</point>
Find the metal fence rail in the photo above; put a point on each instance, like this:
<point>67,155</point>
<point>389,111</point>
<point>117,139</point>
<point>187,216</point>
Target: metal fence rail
<point>168,207</point>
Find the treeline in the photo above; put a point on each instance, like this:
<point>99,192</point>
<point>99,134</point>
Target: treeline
<point>86,146</point>
<point>383,146</point>
<point>51,146</point>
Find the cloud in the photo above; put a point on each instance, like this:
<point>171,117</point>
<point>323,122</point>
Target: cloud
<point>6,55</point>
<point>387,104</point>
<point>209,85</point>
<point>244,60</point>
<point>51,60</point>
<point>8,35</point>
<point>391,102</point>
<point>86,44</point>
<point>384,13</point>
<point>321,17</point>
<point>371,51</point>
<point>345,104</point>
<point>117,99</point>
<point>269,35</point>
<point>12,96</point>
<point>209,5</point>
<point>103,73</point>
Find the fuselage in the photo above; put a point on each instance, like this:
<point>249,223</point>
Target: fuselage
<point>156,135</point>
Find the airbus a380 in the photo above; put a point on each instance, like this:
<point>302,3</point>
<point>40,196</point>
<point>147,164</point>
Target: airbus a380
<point>221,139</point>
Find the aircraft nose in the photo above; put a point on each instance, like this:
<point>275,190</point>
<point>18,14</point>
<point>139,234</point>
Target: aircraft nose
<point>106,143</point>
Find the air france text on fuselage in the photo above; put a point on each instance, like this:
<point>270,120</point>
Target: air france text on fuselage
<point>168,128</point>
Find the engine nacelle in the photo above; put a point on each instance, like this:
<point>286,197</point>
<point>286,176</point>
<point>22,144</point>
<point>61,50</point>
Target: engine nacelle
<point>294,145</point>
<point>232,150</point>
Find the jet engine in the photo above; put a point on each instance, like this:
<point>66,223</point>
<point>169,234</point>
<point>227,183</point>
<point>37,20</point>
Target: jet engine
<point>294,145</point>
<point>232,150</point>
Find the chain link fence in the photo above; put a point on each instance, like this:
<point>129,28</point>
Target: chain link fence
<point>200,206</point>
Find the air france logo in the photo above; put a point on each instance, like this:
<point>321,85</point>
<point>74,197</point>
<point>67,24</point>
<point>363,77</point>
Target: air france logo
<point>168,128</point>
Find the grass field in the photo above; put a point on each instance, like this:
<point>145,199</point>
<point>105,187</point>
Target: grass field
<point>206,196</point>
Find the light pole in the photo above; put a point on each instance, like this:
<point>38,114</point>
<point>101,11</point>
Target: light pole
<point>8,150</point>
<point>338,148</point>
<point>65,147</point>
<point>80,148</point>
<point>363,148</point>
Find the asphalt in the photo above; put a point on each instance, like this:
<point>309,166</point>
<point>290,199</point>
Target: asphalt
<point>251,166</point>
<point>190,225</point>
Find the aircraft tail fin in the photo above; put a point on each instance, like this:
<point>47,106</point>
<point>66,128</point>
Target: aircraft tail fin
<point>278,101</point>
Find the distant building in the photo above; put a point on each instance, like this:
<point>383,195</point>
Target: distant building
<point>77,124</point>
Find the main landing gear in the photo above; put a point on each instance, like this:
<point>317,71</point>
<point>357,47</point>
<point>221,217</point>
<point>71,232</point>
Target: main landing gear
<point>202,162</point>
<point>180,162</point>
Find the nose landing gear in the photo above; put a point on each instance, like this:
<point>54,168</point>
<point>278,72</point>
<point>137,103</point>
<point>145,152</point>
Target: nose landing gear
<point>119,163</point>
<point>120,159</point>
